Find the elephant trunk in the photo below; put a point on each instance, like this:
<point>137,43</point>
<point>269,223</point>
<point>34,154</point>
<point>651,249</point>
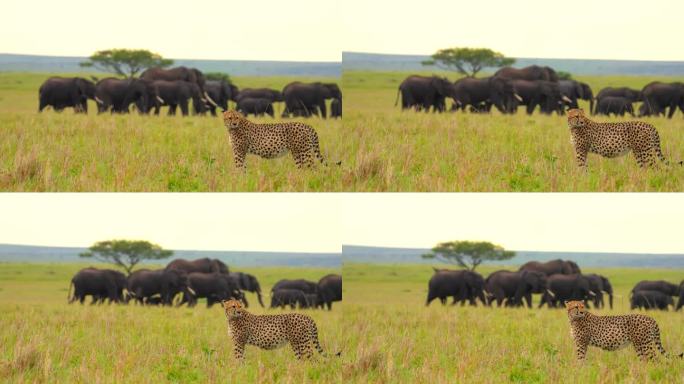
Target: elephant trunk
<point>610,299</point>
<point>70,298</point>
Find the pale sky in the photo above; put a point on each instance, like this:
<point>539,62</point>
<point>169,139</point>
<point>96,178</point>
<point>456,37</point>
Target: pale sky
<point>584,29</point>
<point>296,30</point>
<point>232,221</point>
<point>608,222</point>
<point>318,30</point>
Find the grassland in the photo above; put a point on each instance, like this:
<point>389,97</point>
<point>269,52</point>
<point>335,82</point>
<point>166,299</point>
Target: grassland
<point>409,151</point>
<point>44,339</point>
<point>394,338</point>
<point>68,152</point>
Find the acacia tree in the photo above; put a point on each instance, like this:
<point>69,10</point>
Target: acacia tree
<point>468,61</point>
<point>468,254</point>
<point>125,62</point>
<point>126,253</point>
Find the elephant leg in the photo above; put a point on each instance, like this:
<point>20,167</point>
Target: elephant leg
<point>528,299</point>
<point>184,107</point>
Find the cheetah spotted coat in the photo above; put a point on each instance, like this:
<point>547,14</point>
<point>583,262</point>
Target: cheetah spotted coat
<point>613,139</point>
<point>271,331</point>
<point>612,332</point>
<point>271,140</point>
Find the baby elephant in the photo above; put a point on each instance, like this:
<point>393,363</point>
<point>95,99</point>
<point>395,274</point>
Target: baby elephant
<point>336,108</point>
<point>651,300</point>
<point>613,104</point>
<point>255,106</point>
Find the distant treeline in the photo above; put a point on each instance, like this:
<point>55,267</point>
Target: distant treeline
<point>412,63</point>
<point>58,64</point>
<point>382,255</point>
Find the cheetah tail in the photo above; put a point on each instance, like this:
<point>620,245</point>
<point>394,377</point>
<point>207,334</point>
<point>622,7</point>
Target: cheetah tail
<point>655,138</point>
<point>317,343</point>
<point>659,344</point>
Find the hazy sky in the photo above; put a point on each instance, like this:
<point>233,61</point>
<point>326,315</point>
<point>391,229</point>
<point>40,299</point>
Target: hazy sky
<point>233,221</point>
<point>609,222</point>
<point>318,30</point>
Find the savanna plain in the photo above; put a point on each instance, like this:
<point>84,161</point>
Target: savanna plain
<point>65,151</point>
<point>395,338</point>
<point>44,339</point>
<point>417,151</point>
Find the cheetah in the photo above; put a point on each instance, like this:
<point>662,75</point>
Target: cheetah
<point>612,332</point>
<point>271,331</point>
<point>271,140</point>
<point>613,139</point>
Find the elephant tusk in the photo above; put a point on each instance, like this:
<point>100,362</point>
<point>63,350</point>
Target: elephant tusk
<point>98,100</point>
<point>210,99</point>
<point>520,99</point>
<point>159,99</point>
<point>551,293</point>
<point>566,99</point>
<point>592,293</point>
<point>192,291</point>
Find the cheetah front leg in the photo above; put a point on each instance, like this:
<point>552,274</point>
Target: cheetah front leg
<point>581,156</point>
<point>239,351</point>
<point>581,349</point>
<point>239,158</point>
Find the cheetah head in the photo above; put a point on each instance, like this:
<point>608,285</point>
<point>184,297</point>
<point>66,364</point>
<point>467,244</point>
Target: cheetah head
<point>576,118</point>
<point>232,119</point>
<point>233,308</point>
<point>576,309</point>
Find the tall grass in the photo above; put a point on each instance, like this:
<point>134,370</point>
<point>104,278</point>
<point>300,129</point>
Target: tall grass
<point>409,151</point>
<point>68,152</point>
<point>392,337</point>
<point>44,339</point>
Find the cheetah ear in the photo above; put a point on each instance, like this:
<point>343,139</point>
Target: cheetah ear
<point>565,302</point>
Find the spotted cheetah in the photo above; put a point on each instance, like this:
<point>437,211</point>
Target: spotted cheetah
<point>612,332</point>
<point>613,139</point>
<point>271,331</point>
<point>271,140</point>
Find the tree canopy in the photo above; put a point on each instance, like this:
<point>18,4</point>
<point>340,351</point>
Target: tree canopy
<point>562,75</point>
<point>468,254</point>
<point>126,253</point>
<point>217,76</point>
<point>468,61</point>
<point>125,62</point>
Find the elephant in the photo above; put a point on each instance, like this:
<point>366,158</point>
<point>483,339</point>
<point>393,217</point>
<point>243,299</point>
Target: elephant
<point>336,108</point>
<point>247,282</point>
<point>167,283</point>
<point>329,290</point>
<point>305,286</point>
<point>575,90</point>
<point>600,284</point>
<point>312,301</point>
<point>614,104</point>
<point>546,94</point>
<point>658,285</point>
<point>514,286</point>
<point>632,95</point>
<point>271,95</point>
<point>561,288</point>
<point>191,75</point>
<point>309,96</point>
<point>659,96</point>
<point>301,111</point>
<point>496,91</point>
<point>565,267</point>
<point>221,92</point>
<point>215,287</point>
<point>99,284</point>
<point>680,302</point>
<point>650,300</point>
<point>257,107</point>
<point>462,285</point>
<point>530,73</point>
<point>204,265</point>
<point>176,93</point>
<point>292,297</point>
<point>64,92</point>
<point>117,95</point>
<point>421,92</point>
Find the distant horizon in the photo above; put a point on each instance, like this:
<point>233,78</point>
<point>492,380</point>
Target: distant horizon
<point>519,250</point>
<point>179,58</point>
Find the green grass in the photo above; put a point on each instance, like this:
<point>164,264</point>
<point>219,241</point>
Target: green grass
<point>68,152</point>
<point>409,151</point>
<point>44,339</point>
<point>394,338</point>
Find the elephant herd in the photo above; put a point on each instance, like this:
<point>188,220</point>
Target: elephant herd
<point>307,294</point>
<point>531,87</point>
<point>182,88</point>
<point>556,281</point>
<point>186,281</point>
